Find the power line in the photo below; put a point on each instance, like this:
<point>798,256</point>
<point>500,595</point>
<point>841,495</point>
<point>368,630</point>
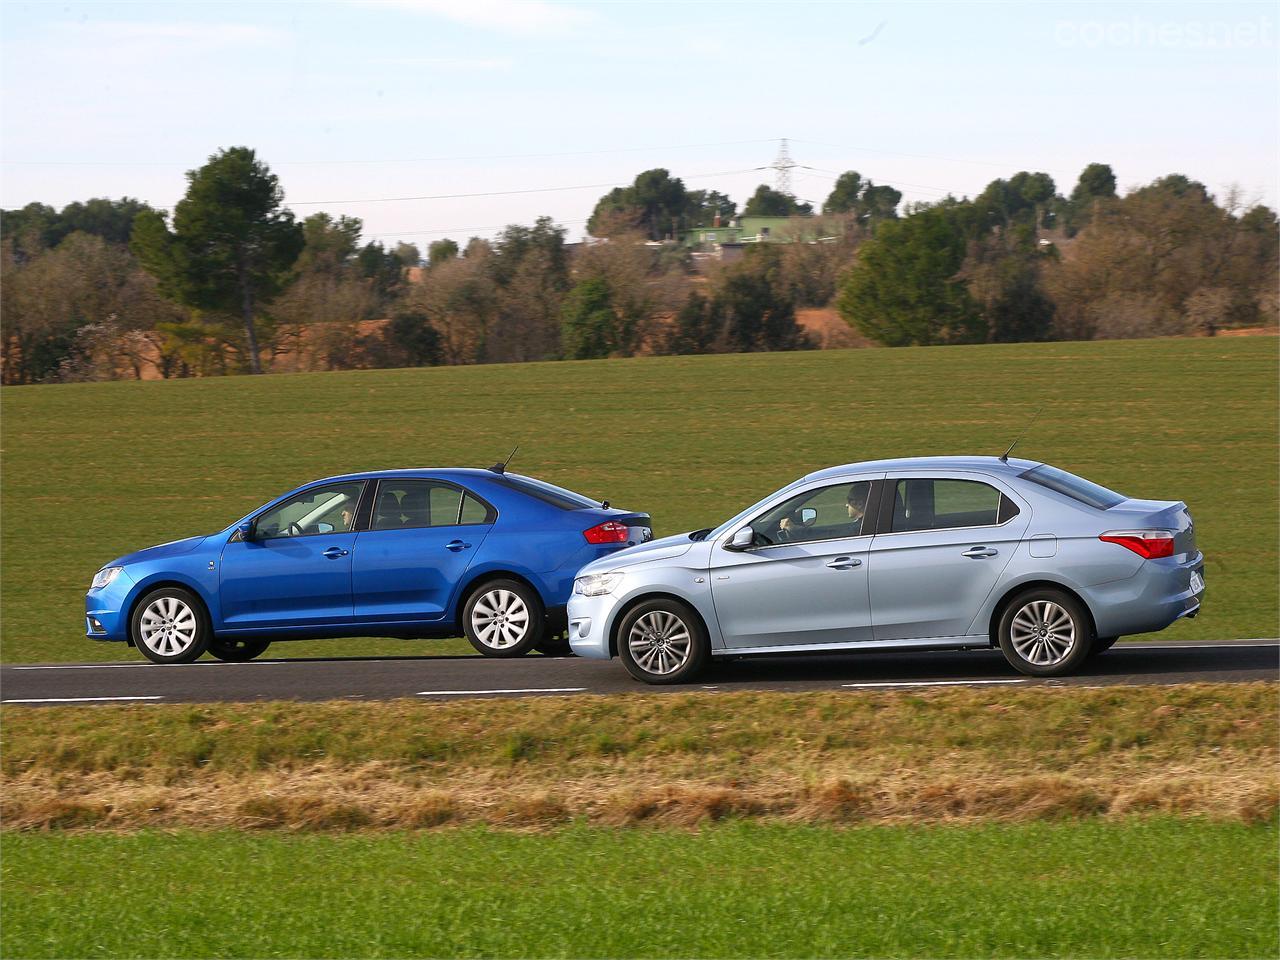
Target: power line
<point>505,193</point>
<point>492,156</point>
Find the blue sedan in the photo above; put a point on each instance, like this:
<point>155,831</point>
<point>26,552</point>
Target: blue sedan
<point>400,553</point>
<point>933,553</point>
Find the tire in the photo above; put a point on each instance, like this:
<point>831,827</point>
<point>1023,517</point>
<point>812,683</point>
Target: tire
<point>1102,645</point>
<point>504,618</point>
<point>556,646</point>
<point>237,651</point>
<point>1045,633</point>
<point>662,641</point>
<point>169,625</point>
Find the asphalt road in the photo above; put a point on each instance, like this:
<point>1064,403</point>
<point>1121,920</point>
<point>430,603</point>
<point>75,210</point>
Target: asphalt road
<point>448,678</point>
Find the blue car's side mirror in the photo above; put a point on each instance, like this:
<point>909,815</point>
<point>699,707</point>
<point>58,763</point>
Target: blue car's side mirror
<point>246,531</point>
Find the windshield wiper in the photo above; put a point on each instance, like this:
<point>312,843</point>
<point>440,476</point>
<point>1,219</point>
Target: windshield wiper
<point>699,535</point>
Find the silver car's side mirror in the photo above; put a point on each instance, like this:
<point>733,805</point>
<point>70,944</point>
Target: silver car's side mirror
<point>742,539</point>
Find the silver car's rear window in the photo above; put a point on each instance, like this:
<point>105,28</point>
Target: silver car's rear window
<point>1077,488</point>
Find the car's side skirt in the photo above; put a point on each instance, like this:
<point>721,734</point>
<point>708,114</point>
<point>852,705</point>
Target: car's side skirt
<point>929,643</point>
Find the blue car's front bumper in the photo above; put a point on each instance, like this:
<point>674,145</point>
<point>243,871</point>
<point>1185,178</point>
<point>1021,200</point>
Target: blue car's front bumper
<point>106,611</point>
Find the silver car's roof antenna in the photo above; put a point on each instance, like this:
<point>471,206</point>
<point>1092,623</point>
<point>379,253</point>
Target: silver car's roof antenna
<point>1005,456</point>
<point>502,467</point>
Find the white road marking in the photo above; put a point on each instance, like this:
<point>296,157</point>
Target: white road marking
<point>79,699</point>
<point>930,683</point>
<point>117,666</point>
<point>468,693</point>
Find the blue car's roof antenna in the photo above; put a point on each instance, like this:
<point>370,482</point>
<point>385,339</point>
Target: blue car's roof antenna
<point>1004,458</point>
<point>502,467</point>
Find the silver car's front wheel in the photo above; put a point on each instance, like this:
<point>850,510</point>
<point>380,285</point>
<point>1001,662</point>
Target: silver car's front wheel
<point>1045,633</point>
<point>504,618</point>
<point>168,626</point>
<point>662,641</point>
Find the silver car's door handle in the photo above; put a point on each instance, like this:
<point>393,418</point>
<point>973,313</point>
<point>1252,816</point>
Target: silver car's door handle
<point>979,553</point>
<point>333,553</point>
<point>844,563</point>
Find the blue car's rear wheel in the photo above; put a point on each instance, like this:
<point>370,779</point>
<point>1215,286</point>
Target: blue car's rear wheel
<point>169,625</point>
<point>504,618</point>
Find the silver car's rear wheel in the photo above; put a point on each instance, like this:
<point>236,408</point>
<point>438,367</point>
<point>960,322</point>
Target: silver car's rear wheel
<point>168,626</point>
<point>504,618</point>
<point>662,641</point>
<point>1045,633</point>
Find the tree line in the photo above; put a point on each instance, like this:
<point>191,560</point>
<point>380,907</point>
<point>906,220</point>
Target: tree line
<point>232,282</point>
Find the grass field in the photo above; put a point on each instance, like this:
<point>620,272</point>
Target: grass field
<point>734,890</point>
<point>91,471</point>
<point>680,760</point>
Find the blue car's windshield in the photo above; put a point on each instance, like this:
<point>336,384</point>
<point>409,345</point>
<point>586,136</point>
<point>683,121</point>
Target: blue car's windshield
<point>1077,488</point>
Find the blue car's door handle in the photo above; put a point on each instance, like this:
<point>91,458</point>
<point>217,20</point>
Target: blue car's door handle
<point>844,563</point>
<point>333,553</point>
<point>456,545</point>
<point>980,553</point>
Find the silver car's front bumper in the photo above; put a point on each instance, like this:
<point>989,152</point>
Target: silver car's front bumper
<point>590,619</point>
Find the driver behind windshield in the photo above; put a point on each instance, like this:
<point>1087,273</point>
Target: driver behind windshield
<point>793,528</point>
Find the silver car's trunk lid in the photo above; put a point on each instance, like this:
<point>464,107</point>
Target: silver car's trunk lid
<point>1157,515</point>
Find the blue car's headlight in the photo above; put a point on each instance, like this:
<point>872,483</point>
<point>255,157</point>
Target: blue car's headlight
<point>104,577</point>
<point>597,584</point>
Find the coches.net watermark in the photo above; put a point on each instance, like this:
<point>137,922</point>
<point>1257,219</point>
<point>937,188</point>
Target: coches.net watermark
<point>1169,34</point>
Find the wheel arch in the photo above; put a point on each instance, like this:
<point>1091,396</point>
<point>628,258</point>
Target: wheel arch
<point>1027,586</point>
<point>621,614</point>
<point>485,576</point>
<point>150,586</point>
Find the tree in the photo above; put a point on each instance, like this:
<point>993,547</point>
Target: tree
<point>441,251</point>
<point>231,244</point>
<point>655,202</point>
<point>38,227</point>
<point>591,327</point>
<point>704,206</point>
<point>328,244</point>
<point>867,201</point>
<point>413,341</point>
<point>904,288</point>
<point>408,254</point>
<point>768,202</point>
<point>754,308</point>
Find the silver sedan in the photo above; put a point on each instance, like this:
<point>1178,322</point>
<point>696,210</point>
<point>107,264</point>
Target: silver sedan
<point>934,553</point>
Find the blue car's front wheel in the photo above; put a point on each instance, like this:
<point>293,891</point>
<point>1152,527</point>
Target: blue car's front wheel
<point>504,618</point>
<point>169,625</point>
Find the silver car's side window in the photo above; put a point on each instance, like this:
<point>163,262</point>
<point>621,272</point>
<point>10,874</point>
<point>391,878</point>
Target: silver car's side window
<point>941,504</point>
<point>826,513</point>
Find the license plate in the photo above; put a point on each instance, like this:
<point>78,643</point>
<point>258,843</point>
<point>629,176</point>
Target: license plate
<point>1197,582</point>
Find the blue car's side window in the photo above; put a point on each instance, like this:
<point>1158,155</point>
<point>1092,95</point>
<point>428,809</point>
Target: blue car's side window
<point>328,509</point>
<point>413,504</point>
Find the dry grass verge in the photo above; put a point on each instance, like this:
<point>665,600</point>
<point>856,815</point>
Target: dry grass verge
<point>935,756</point>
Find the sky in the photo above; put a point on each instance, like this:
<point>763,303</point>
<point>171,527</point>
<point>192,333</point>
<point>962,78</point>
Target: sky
<point>388,111</point>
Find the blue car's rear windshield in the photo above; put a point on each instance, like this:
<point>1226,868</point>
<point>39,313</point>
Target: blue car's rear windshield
<point>546,492</point>
<point>1077,488</point>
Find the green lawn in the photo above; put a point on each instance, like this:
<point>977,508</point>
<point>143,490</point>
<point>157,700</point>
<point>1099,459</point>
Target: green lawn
<point>91,471</point>
<point>733,890</point>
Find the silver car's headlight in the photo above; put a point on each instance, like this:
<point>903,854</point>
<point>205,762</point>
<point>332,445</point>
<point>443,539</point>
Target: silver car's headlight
<point>597,584</point>
<point>104,577</point>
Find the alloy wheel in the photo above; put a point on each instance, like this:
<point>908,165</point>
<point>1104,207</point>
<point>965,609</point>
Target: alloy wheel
<point>168,626</point>
<point>500,619</point>
<point>1043,633</point>
<point>660,642</point>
